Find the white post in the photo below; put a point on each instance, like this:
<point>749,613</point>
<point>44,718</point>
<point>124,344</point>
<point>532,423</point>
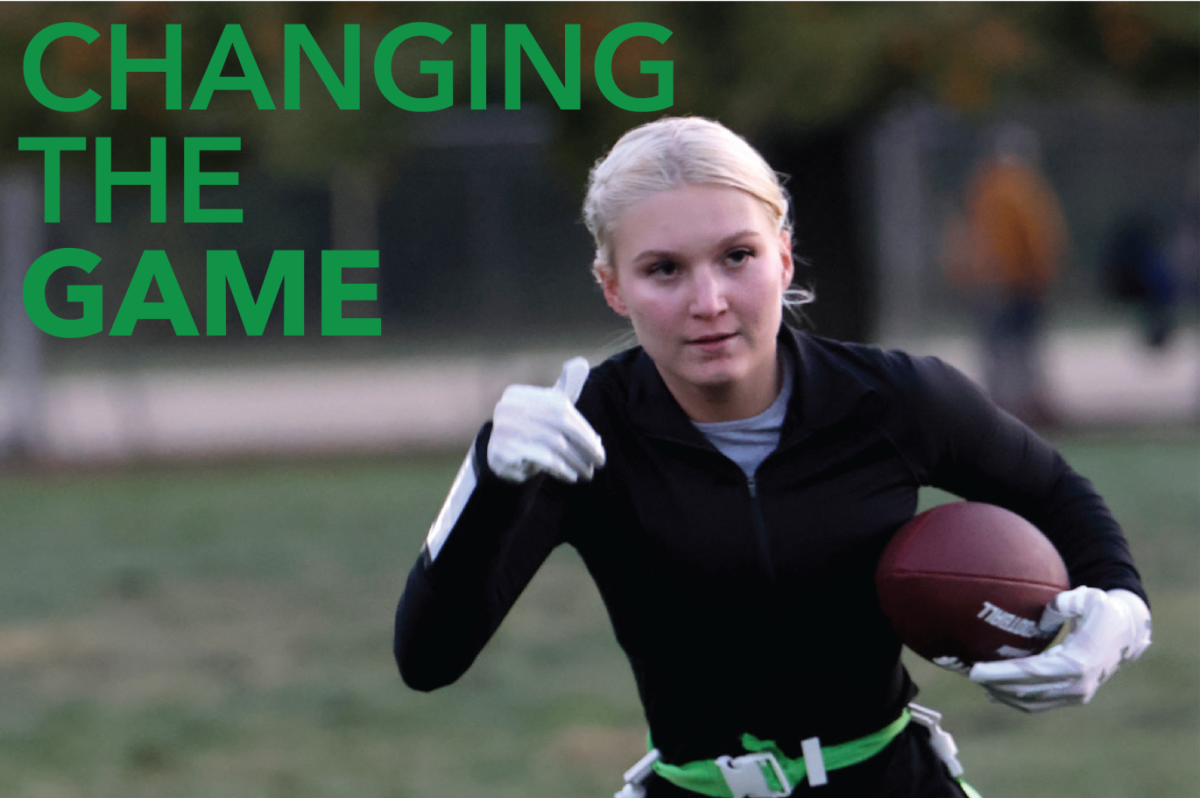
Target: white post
<point>901,257</point>
<point>22,240</point>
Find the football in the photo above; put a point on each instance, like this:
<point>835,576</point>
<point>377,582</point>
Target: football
<point>970,581</point>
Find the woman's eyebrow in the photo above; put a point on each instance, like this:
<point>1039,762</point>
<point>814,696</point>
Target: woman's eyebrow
<point>729,239</point>
<point>654,254</point>
<point>666,254</point>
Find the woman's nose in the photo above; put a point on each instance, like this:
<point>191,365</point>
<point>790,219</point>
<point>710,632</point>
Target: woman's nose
<point>708,296</point>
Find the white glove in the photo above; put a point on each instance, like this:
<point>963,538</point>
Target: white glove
<point>1107,628</point>
<point>539,429</point>
<point>533,429</point>
<point>953,664</point>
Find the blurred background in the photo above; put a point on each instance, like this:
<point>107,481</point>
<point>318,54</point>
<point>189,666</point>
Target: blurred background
<point>203,538</point>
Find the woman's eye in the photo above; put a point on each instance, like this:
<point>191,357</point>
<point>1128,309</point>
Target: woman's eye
<point>740,256</point>
<point>664,268</point>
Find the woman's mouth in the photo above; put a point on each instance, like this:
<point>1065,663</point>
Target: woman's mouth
<point>711,342</point>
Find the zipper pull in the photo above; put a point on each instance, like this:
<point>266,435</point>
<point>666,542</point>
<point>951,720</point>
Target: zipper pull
<point>753,483</point>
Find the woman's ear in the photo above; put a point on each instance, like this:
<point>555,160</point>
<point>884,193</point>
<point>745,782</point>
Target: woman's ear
<point>607,277</point>
<point>785,255</point>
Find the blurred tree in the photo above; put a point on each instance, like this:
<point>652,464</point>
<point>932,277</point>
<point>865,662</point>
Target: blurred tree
<point>753,65</point>
<point>786,75</point>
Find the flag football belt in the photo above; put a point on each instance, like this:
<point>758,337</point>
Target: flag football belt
<point>766,772</point>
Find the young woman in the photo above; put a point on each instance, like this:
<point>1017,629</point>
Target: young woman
<point>730,484</point>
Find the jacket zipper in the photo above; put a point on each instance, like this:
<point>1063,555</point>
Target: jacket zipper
<point>760,528</point>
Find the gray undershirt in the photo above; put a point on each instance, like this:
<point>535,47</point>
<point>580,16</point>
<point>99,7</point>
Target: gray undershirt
<point>748,441</point>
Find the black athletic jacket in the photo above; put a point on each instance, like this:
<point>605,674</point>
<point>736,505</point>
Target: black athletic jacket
<point>749,605</point>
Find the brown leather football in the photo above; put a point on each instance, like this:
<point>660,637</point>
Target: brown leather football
<point>970,580</point>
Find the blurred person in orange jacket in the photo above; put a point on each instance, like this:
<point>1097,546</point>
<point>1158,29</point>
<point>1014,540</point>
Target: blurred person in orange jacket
<point>1010,253</point>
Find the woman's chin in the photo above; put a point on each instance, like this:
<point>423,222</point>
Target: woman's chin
<point>713,376</point>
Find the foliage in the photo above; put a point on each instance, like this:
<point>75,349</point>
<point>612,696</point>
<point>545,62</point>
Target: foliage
<point>752,64</point>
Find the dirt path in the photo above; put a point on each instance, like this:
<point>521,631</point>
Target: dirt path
<point>1097,378</point>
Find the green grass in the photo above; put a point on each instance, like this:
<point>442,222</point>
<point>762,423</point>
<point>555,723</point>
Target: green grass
<point>227,633</point>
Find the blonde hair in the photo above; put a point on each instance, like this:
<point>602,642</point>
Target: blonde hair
<point>674,152</point>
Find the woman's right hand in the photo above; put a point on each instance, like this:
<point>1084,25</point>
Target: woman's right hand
<point>538,430</point>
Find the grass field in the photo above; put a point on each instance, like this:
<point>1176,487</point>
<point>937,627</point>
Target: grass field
<point>226,633</point>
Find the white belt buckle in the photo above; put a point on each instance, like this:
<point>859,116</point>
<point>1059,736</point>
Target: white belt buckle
<point>940,740</point>
<point>814,762</point>
<point>636,776</point>
<point>745,778</point>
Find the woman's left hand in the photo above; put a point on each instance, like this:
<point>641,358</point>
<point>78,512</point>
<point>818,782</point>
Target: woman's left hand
<point>1107,628</point>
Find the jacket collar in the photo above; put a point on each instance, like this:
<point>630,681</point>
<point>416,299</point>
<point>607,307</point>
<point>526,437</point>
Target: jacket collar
<point>824,391</point>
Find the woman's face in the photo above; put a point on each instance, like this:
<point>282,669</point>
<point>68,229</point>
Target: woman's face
<point>701,271</point>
